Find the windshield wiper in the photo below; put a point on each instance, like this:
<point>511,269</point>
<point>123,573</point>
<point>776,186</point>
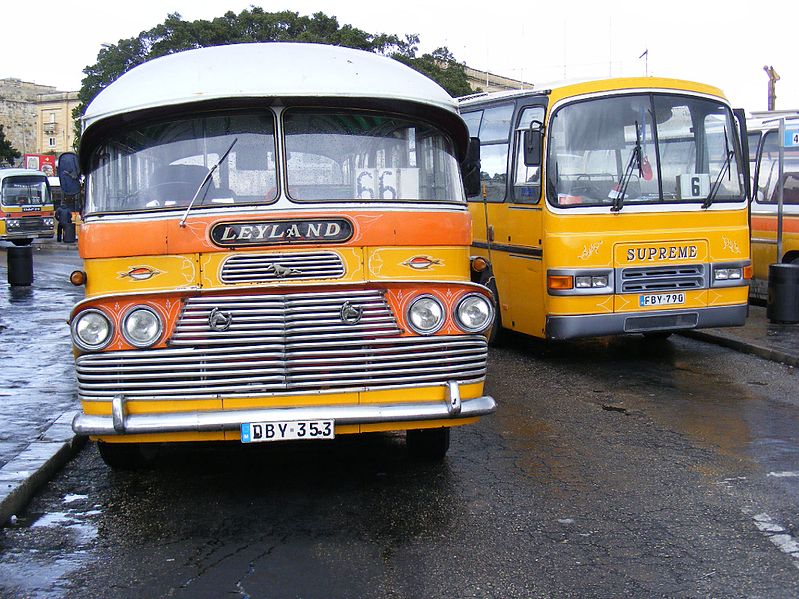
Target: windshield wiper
<point>724,168</point>
<point>635,161</point>
<point>205,180</point>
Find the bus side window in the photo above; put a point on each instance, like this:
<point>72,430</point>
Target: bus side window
<point>494,133</point>
<point>472,120</point>
<point>526,179</point>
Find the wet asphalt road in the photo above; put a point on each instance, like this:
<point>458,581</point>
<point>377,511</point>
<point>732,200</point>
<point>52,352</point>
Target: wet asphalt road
<point>612,468</point>
<point>35,349</point>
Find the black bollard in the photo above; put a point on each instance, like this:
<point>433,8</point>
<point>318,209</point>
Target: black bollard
<point>69,233</point>
<point>783,293</point>
<point>20,266</point>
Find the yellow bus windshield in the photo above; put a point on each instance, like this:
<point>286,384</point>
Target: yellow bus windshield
<point>643,149</point>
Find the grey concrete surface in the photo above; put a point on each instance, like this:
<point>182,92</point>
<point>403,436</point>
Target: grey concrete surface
<point>772,341</point>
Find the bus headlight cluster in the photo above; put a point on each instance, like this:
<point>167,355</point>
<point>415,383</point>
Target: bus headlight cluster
<point>727,274</point>
<point>12,223</point>
<point>142,327</point>
<point>49,222</point>
<point>590,282</point>
<point>472,314</point>
<point>91,330</point>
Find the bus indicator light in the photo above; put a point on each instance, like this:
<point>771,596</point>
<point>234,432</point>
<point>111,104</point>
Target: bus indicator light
<point>560,282</point>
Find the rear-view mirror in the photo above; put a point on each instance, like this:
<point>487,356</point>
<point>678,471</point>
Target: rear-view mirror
<point>471,168</point>
<point>69,173</point>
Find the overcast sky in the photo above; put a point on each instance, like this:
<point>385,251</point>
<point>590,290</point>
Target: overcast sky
<point>725,44</point>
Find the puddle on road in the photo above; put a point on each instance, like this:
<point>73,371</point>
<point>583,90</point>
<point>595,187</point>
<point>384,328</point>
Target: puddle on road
<point>698,391</point>
<point>39,567</point>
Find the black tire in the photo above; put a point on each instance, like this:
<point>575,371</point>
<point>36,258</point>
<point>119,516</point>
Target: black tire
<point>658,335</point>
<point>128,456</point>
<point>428,444</point>
<point>498,334</point>
<point>22,242</point>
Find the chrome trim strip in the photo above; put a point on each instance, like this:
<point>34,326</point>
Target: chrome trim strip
<point>211,421</point>
<point>142,391</point>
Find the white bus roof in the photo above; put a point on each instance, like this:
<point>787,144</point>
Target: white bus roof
<point>11,172</point>
<point>275,69</point>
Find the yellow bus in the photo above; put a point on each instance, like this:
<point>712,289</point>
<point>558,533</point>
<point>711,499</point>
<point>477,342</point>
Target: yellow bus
<point>612,206</point>
<point>276,247</point>
<point>26,206</point>
<point>764,146</point>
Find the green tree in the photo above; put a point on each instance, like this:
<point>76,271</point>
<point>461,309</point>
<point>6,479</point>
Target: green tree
<point>255,25</point>
<point>8,154</point>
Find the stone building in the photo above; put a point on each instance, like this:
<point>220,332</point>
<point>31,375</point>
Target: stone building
<point>36,119</point>
<point>489,82</point>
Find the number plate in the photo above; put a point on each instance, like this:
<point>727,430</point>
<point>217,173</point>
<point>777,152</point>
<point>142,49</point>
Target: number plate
<point>661,299</point>
<point>287,430</point>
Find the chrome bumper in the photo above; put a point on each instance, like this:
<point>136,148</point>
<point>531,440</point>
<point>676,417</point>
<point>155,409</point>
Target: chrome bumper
<point>121,423</point>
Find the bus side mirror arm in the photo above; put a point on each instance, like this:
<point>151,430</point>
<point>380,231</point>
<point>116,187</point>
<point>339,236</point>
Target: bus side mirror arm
<point>533,143</point>
<point>740,114</point>
<point>470,168</point>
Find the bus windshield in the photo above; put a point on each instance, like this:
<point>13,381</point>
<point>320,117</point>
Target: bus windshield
<point>25,190</point>
<point>331,155</point>
<point>643,149</point>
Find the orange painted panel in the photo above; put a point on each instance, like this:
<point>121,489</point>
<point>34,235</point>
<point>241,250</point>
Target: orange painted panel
<point>156,237</point>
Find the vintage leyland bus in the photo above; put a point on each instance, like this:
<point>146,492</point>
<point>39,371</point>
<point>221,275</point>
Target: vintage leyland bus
<point>765,146</point>
<point>612,206</point>
<point>276,247</point>
<point>26,207</point>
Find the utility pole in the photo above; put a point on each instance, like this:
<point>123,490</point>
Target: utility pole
<point>772,83</point>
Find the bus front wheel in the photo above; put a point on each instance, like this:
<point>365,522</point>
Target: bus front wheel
<point>127,456</point>
<point>428,444</point>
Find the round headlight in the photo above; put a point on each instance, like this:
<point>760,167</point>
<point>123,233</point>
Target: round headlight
<point>474,313</point>
<point>141,327</point>
<point>426,315</point>
<point>91,330</point>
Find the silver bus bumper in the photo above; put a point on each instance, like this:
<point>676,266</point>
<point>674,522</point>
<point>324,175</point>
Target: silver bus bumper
<point>121,423</point>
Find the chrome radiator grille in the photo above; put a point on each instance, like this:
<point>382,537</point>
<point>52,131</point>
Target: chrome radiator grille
<point>252,268</point>
<point>281,344</point>
<point>661,278</point>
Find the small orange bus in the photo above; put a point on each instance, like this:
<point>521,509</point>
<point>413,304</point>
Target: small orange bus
<point>26,206</point>
<point>773,241</point>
